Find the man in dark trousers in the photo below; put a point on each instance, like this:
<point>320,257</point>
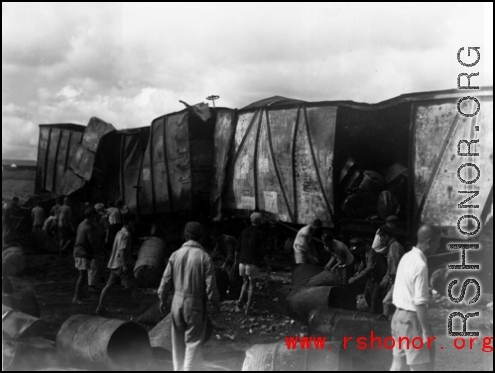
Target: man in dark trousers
<point>249,251</point>
<point>13,217</point>
<point>190,275</point>
<point>371,269</point>
<point>394,252</point>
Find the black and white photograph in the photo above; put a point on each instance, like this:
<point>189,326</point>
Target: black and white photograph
<point>247,186</point>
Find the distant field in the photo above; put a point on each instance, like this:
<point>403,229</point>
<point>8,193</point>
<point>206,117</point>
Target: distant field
<point>19,175</point>
<point>18,184</point>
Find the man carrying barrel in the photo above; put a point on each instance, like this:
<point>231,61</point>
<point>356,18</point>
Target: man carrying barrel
<point>410,296</point>
<point>303,249</point>
<point>342,260</point>
<point>224,248</point>
<point>190,276</point>
<point>371,269</point>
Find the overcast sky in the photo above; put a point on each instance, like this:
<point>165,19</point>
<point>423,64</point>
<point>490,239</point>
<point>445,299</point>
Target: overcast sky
<point>128,64</point>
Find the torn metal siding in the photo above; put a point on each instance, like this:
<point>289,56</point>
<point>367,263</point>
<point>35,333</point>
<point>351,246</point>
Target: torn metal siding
<point>81,163</point>
<point>283,163</point>
<point>118,164</point>
<point>57,144</point>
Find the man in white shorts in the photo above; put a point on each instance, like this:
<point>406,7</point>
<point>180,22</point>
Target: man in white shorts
<point>410,296</point>
<point>249,251</point>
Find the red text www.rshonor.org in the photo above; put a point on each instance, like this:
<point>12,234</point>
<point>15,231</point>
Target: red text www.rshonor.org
<point>376,342</point>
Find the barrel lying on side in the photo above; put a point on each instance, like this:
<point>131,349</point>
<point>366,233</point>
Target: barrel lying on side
<point>278,357</point>
<point>298,302</point>
<point>13,261</point>
<point>322,321</point>
<point>116,344</point>
<point>23,301</point>
<point>303,272</point>
<point>16,324</point>
<point>371,345</point>
<point>161,335</point>
<point>152,259</point>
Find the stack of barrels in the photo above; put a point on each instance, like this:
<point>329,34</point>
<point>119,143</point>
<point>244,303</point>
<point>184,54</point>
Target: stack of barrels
<point>370,193</point>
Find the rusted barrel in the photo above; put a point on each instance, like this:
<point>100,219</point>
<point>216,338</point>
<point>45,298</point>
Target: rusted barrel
<point>152,259</point>
<point>325,278</point>
<point>353,181</point>
<point>374,349</point>
<point>372,181</point>
<point>13,261</point>
<point>17,324</point>
<point>359,204</point>
<point>154,315</point>
<point>278,357</point>
<point>298,302</point>
<point>161,335</point>
<point>24,301</point>
<point>396,179</point>
<point>116,344</point>
<point>322,321</point>
<point>303,272</point>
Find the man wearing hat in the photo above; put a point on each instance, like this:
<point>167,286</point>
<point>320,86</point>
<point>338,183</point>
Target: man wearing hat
<point>249,251</point>
<point>190,275</point>
<point>87,244</point>
<point>372,268</point>
<point>391,222</point>
<point>303,249</point>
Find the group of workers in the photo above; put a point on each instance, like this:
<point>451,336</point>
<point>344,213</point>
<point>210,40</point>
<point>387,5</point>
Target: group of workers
<point>393,282</point>
<point>371,270</point>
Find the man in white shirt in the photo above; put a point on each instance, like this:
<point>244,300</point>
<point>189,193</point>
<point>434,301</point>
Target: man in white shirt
<point>410,296</point>
<point>303,250</point>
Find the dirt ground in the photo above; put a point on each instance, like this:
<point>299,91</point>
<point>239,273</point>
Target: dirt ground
<point>53,281</point>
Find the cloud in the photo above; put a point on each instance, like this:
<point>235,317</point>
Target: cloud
<point>130,63</point>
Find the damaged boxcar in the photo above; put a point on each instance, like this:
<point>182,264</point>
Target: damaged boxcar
<point>350,164</point>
